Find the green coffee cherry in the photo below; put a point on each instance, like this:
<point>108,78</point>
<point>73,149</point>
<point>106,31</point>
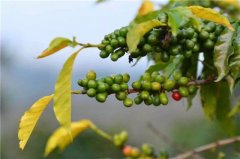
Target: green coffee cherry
<point>114,56</point>
<point>165,57</point>
<point>169,85</point>
<point>138,100</point>
<point>102,87</point>
<point>192,89</point>
<point>146,76</point>
<point>123,136</point>
<point>156,100</point>
<point>121,41</point>
<point>92,84</point>
<point>209,44</point>
<point>156,86</point>
<point>101,97</point>
<point>183,81</point>
<point>91,92</point>
<point>109,80</point>
<point>114,43</point>
<point>189,44</point>
<point>190,32</point>
<point>126,77</point>
<point>177,75</point>
<point>116,88</point>
<point>121,95</point>
<point>136,85</point>
<point>183,91</point>
<point>84,83</point>
<point>148,101</point>
<point>163,98</point>
<point>160,79</point>
<point>124,86</point>
<point>146,85</point>
<point>152,39</point>
<point>147,48</point>
<point>118,79</point>
<point>135,152</point>
<point>128,102</point>
<point>123,31</point>
<point>109,49</point>
<point>196,48</point>
<point>203,35</point>
<point>91,75</point>
<point>104,54</point>
<point>117,140</point>
<point>188,53</point>
<point>144,95</point>
<point>120,53</point>
<point>147,149</point>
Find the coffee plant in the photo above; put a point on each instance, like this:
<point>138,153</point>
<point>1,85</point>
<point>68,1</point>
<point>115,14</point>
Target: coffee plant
<point>174,38</point>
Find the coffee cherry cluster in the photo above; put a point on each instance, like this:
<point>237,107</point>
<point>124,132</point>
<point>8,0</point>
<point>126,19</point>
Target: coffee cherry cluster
<point>152,88</point>
<point>101,88</point>
<point>114,44</point>
<point>160,41</point>
<point>146,151</point>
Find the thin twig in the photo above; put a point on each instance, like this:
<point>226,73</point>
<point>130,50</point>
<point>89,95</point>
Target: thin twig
<point>207,147</point>
<point>165,138</point>
<point>89,45</point>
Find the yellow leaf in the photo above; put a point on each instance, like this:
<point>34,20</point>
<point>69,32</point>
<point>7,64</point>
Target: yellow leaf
<point>30,118</point>
<point>135,34</point>
<point>62,92</point>
<point>61,137</point>
<point>146,7</point>
<point>55,45</point>
<point>211,15</point>
<point>226,3</point>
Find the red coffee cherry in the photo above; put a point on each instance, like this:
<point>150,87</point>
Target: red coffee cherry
<point>176,96</point>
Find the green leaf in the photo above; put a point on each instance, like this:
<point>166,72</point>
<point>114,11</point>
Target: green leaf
<point>62,92</point>
<point>211,15</point>
<point>56,45</point>
<point>196,23</point>
<point>222,51</point>
<point>30,118</point>
<point>159,66</point>
<point>235,110</point>
<point>147,17</point>
<point>208,99</point>
<point>138,31</point>
<point>234,61</point>
<point>215,99</point>
<point>171,67</point>
<point>178,17</point>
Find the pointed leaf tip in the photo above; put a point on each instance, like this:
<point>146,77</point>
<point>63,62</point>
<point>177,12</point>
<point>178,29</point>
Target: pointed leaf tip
<point>61,138</point>
<point>62,93</point>
<point>30,119</point>
<point>211,15</point>
<point>55,45</point>
<point>138,31</point>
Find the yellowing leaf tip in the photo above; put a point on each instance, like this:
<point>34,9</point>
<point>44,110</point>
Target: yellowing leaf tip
<point>30,118</point>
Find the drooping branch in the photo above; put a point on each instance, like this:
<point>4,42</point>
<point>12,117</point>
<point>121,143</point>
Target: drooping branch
<point>207,147</point>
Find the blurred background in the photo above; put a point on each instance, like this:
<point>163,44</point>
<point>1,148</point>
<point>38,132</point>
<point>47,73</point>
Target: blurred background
<point>27,27</point>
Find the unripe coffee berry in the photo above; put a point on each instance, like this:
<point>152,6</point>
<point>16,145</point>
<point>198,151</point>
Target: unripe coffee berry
<point>128,102</point>
<point>163,98</point>
<point>91,75</point>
